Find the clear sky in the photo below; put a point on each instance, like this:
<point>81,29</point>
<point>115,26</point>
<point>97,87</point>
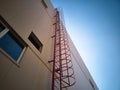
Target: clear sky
<point>94,26</point>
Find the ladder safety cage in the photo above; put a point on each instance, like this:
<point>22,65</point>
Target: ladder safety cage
<point>62,73</point>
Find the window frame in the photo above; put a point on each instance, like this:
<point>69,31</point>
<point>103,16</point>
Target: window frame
<point>15,37</point>
<point>35,42</point>
<point>44,3</point>
<point>91,84</point>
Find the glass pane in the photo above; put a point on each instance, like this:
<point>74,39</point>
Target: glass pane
<point>35,41</point>
<point>1,29</point>
<point>10,46</point>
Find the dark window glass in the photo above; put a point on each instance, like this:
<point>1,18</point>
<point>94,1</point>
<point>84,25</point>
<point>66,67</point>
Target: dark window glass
<point>11,46</point>
<point>91,84</point>
<point>44,4</point>
<point>1,27</point>
<point>35,41</point>
<point>10,41</point>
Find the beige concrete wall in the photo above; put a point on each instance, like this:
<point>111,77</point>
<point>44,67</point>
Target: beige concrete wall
<point>82,74</point>
<point>33,72</point>
<point>30,75</point>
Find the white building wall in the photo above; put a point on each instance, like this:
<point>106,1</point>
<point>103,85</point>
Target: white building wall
<point>33,72</point>
<point>82,74</point>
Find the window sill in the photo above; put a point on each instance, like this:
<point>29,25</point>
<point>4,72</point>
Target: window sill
<point>17,63</point>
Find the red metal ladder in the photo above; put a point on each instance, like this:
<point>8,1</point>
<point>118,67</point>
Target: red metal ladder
<point>63,73</point>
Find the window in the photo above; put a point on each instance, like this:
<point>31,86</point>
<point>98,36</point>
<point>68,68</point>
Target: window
<point>35,41</point>
<point>10,42</point>
<point>1,27</point>
<point>92,84</point>
<point>44,4</point>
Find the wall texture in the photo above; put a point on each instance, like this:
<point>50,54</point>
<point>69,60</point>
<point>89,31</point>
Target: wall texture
<point>33,72</point>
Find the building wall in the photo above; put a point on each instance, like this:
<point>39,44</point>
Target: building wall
<point>33,72</point>
<point>82,75</point>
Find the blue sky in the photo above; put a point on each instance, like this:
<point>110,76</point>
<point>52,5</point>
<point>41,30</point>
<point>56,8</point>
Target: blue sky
<point>94,26</point>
